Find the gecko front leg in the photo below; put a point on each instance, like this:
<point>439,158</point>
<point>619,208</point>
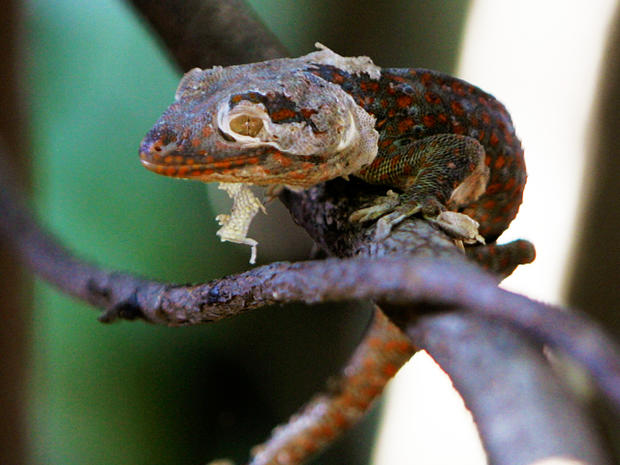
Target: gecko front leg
<point>437,173</point>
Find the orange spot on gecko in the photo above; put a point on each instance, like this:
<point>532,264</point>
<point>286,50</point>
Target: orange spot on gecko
<point>499,162</point>
<point>493,188</point>
<point>337,78</point>
<point>428,121</point>
<point>398,346</point>
<point>281,159</point>
<point>206,131</point>
<point>340,420</point>
<point>297,175</point>
<point>307,113</point>
<point>325,431</point>
<point>510,184</point>
<point>404,101</point>
<point>390,369</point>
<point>432,98</point>
<point>494,140</point>
<point>404,125</point>
<point>457,108</point>
<point>282,114</point>
<point>371,86</point>
<point>458,128</point>
<point>398,78</point>
<point>458,88</point>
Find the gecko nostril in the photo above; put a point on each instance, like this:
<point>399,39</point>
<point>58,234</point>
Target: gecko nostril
<point>158,143</point>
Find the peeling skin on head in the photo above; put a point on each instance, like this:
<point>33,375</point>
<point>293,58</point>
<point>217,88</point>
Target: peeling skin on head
<point>353,65</point>
<point>295,138</point>
<point>234,227</point>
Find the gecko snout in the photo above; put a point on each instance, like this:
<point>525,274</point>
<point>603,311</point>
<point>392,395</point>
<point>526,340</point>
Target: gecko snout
<point>157,147</point>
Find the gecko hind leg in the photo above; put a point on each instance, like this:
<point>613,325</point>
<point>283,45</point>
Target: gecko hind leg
<point>437,174</point>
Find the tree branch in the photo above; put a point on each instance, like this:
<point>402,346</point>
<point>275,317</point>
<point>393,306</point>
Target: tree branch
<point>208,32</point>
<point>390,280</point>
<point>508,410</point>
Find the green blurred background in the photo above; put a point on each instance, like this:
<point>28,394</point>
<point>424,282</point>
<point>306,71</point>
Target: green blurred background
<point>132,393</point>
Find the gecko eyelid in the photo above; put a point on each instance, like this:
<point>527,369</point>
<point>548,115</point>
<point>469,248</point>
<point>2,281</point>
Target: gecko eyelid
<point>226,136</point>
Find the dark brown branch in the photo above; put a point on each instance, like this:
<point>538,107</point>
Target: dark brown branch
<point>204,33</point>
<point>395,281</point>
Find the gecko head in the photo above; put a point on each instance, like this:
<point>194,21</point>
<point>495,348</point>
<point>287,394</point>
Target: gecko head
<point>274,122</point>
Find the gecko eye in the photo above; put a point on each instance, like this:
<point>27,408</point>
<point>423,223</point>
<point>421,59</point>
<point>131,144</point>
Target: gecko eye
<point>246,125</point>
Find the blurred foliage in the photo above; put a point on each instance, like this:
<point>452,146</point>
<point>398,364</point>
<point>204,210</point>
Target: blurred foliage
<point>132,393</point>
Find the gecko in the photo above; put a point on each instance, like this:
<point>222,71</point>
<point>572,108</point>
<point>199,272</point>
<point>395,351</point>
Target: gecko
<point>442,147</point>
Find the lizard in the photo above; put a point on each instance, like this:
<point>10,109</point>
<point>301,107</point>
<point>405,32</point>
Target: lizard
<point>447,147</point>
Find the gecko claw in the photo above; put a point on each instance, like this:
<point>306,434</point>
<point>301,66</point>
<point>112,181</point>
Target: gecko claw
<point>380,207</point>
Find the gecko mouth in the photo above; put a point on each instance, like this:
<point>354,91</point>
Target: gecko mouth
<point>178,166</point>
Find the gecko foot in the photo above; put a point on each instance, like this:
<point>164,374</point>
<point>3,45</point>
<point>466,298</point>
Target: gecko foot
<point>459,226</point>
<point>394,208</point>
